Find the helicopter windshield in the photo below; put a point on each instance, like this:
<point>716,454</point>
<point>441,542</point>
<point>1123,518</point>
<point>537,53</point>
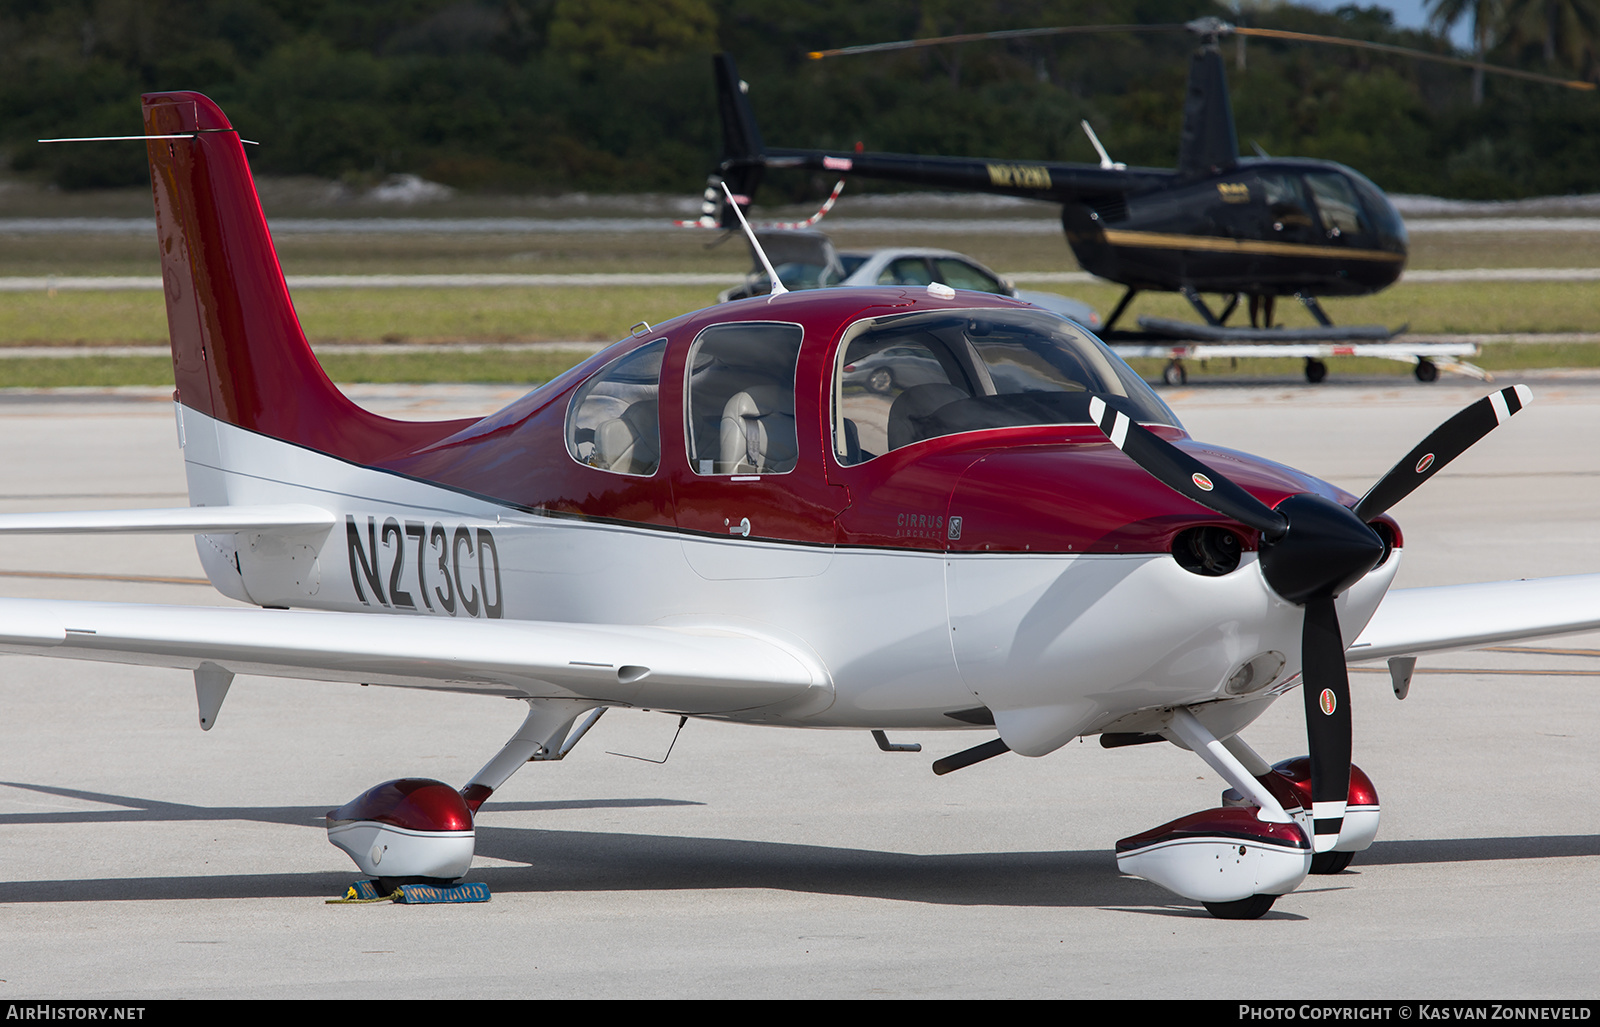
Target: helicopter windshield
<point>1384,217</point>
<point>903,379</point>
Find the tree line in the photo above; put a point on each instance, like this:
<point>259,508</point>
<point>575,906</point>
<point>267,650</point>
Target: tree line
<point>616,95</point>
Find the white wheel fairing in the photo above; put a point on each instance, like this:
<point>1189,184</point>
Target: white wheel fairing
<point>384,850</point>
<point>1359,829</point>
<point>1219,869</point>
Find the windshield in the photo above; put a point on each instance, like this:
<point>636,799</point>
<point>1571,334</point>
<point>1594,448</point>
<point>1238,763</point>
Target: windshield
<point>901,380</point>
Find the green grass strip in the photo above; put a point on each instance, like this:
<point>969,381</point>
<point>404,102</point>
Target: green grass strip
<point>366,315</point>
<point>606,314</point>
<point>533,368</point>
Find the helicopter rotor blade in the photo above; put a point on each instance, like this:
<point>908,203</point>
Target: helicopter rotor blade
<point>1446,442</point>
<point>1212,28</point>
<point>974,37</point>
<point>1405,51</point>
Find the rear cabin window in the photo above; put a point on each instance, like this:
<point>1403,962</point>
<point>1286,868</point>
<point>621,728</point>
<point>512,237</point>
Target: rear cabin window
<point>740,405</point>
<point>614,420</point>
<point>903,379</point>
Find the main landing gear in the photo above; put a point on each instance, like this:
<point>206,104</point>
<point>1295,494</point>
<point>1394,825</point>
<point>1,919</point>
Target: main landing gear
<point>1237,859</point>
<point>420,831</point>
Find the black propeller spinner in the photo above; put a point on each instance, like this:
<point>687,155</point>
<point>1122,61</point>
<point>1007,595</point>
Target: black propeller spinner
<point>1312,549</point>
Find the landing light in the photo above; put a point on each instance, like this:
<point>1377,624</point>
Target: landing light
<point>1255,673</point>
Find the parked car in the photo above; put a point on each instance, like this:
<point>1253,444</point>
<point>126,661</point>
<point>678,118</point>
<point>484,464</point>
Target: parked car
<point>806,259</point>
<point>897,367</point>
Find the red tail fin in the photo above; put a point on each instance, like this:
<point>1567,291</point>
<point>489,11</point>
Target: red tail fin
<point>238,351</point>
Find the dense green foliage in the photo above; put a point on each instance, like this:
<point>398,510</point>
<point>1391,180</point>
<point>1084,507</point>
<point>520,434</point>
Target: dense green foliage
<point>615,95</point>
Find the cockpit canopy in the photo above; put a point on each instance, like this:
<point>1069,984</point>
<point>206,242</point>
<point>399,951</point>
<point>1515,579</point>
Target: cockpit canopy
<point>904,378</point>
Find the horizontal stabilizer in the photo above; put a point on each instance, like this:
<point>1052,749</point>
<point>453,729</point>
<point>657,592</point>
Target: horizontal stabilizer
<point>282,519</point>
<point>1451,618</point>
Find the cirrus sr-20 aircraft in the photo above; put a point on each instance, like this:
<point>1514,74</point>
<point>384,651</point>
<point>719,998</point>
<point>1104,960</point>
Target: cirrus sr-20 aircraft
<point>716,518</point>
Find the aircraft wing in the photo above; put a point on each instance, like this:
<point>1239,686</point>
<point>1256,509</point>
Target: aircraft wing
<point>676,669</point>
<point>285,518</point>
<point>1449,618</point>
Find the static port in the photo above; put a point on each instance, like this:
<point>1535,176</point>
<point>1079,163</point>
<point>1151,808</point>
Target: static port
<point>1209,550</point>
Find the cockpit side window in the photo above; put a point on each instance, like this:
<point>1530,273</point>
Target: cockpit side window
<point>740,395</point>
<point>1285,202</point>
<point>902,379</point>
<point>613,422</point>
<point>1337,203</point>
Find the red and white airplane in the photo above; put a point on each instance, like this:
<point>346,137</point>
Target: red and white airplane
<point>717,517</point>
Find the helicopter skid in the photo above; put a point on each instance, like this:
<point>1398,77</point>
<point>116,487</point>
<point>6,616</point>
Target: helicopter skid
<point>1445,355</point>
<point>1166,328</point>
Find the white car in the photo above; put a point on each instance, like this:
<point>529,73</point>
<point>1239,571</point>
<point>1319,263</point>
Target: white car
<point>807,260</point>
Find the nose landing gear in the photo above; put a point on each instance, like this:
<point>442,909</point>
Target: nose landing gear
<point>1236,860</point>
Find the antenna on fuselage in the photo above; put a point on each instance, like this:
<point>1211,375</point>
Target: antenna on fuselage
<point>118,139</point>
<point>772,276</point>
<point>1105,158</point>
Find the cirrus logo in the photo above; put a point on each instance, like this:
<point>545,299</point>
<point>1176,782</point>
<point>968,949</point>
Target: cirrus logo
<point>1201,482</point>
<point>1327,701</point>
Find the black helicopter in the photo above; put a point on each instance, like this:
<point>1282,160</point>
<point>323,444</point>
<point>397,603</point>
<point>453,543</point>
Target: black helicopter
<point>1257,227</point>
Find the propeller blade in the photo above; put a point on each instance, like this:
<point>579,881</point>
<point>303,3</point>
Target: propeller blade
<point>1326,689</point>
<point>974,37</point>
<point>1183,473</point>
<point>1405,51</point>
<point>1444,444</point>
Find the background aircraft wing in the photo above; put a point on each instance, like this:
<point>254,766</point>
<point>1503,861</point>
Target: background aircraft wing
<point>700,669</point>
<point>1447,618</point>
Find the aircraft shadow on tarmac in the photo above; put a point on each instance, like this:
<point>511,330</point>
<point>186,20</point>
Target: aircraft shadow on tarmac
<point>561,861</point>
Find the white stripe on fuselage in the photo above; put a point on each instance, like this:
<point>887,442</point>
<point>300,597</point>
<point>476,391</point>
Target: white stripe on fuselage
<point>908,636</point>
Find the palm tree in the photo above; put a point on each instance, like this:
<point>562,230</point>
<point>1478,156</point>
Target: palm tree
<point>1487,18</point>
<point>1567,29</point>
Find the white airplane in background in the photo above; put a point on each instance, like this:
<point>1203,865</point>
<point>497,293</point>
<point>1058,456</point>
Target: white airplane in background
<point>715,518</point>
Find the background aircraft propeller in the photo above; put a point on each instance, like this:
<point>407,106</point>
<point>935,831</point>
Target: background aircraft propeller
<point>1312,549</point>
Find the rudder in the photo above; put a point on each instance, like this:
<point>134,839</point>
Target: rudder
<point>239,354</point>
